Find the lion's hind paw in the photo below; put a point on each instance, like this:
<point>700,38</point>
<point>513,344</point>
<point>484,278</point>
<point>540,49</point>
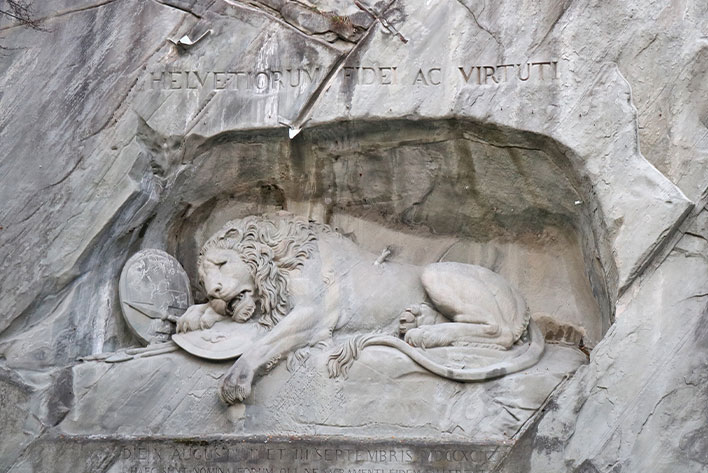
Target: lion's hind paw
<point>430,336</point>
<point>415,338</point>
<point>408,320</point>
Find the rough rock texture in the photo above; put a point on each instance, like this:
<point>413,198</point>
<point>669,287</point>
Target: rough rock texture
<point>661,327</point>
<point>577,169</point>
<point>305,401</point>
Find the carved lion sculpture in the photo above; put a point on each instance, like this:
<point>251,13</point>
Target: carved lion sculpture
<point>305,282</point>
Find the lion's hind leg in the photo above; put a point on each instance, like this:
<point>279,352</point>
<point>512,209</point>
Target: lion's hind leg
<point>476,301</point>
<point>456,333</point>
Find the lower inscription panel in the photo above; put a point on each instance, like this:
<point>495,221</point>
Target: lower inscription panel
<point>258,455</point>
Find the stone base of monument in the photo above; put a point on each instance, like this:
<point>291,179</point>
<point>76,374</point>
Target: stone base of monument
<point>163,414</point>
<point>260,455</point>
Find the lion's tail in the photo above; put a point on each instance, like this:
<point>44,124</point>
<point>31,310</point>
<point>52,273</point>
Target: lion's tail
<point>340,361</point>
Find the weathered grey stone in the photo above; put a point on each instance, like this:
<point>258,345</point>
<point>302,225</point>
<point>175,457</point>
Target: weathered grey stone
<point>440,79</point>
<point>274,4</point>
<point>262,78</point>
<point>329,36</point>
<point>308,19</point>
<point>422,159</point>
<point>17,424</point>
<point>67,278</point>
<point>184,402</point>
<point>32,403</point>
<point>253,454</point>
<point>651,418</point>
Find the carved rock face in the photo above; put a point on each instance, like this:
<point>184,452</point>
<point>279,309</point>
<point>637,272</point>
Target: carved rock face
<point>228,283</point>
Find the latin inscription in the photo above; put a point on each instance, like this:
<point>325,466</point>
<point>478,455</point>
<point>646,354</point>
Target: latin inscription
<point>431,76</point>
<point>258,81</point>
<point>284,458</point>
<point>483,75</point>
<point>269,80</point>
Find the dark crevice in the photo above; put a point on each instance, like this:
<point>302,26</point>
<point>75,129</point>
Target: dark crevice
<point>486,30</point>
<point>177,7</point>
<point>307,108</point>
<point>63,13</point>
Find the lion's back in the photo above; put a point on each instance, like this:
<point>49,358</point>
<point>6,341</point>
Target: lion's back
<point>486,290</point>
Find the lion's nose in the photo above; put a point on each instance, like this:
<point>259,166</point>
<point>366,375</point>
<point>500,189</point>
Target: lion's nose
<point>216,291</point>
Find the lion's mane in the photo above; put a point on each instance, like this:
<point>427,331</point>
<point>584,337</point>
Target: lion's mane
<point>272,246</point>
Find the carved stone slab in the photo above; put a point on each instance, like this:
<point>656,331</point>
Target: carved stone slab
<point>154,291</point>
<point>225,340</point>
<point>263,455</point>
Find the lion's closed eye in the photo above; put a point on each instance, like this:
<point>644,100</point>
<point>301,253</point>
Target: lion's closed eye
<point>242,294</point>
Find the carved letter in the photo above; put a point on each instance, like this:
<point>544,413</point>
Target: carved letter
<point>385,75</point>
<point>186,73</point>
<point>157,79</point>
<point>290,73</point>
<point>528,72</point>
<point>262,80</point>
<point>504,66</point>
<point>490,74</point>
<point>238,75</point>
<point>369,75</point>
<point>430,76</point>
<point>420,76</point>
<point>350,74</point>
<point>175,80</point>
<point>540,67</point>
<point>314,74</point>
<point>276,83</point>
<point>219,80</point>
<point>465,75</point>
<point>199,79</point>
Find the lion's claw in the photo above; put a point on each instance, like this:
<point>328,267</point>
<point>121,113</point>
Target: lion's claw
<point>415,316</point>
<point>415,338</point>
<point>408,320</point>
<point>209,318</point>
<point>236,385</point>
<point>190,320</point>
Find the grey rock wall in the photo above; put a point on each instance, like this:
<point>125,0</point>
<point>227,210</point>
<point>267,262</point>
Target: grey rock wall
<point>584,184</point>
<point>612,416</point>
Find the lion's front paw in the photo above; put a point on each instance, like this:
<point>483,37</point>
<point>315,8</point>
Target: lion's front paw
<point>190,320</point>
<point>236,385</point>
<point>209,318</point>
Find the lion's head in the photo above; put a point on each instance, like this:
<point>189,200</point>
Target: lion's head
<point>245,265</point>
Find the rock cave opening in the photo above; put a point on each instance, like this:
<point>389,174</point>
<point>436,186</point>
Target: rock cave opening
<point>446,190</point>
<point>425,191</point>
